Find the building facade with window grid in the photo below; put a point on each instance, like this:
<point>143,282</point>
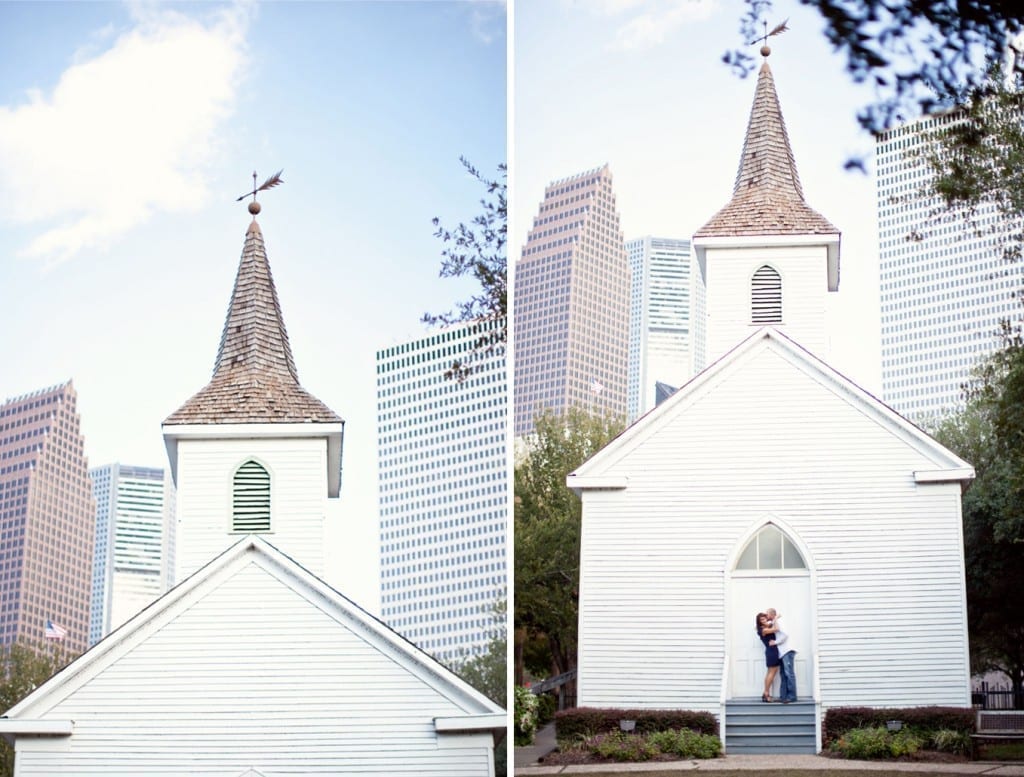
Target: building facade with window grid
<point>133,563</point>
<point>443,491</point>
<point>944,290</point>
<point>571,304</point>
<point>47,519</point>
<point>659,319</point>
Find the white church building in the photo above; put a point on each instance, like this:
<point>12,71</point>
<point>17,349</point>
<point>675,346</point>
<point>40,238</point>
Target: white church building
<point>770,480</point>
<point>253,666</point>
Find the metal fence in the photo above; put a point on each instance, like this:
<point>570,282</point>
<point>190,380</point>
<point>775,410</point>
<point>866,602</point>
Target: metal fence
<point>987,699</point>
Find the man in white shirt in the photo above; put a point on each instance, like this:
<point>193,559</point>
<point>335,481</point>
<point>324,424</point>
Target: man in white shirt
<point>787,653</point>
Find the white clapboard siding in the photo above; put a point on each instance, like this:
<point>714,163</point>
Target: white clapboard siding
<point>804,275</point>
<point>770,437</point>
<point>298,497</point>
<point>255,672</point>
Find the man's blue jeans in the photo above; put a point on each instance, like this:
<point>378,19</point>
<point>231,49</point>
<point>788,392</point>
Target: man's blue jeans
<point>787,691</point>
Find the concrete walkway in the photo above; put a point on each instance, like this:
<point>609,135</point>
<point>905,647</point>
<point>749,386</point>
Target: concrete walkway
<point>761,763</point>
<point>526,759</point>
<point>543,743</point>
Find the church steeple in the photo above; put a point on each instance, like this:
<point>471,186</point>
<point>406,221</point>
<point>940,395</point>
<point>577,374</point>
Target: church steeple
<point>767,197</point>
<point>253,451</point>
<point>767,258</point>
<point>254,378</point>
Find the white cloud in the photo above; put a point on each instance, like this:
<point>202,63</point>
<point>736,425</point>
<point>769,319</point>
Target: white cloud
<point>127,131</point>
<point>487,20</point>
<point>614,7</point>
<point>656,19</point>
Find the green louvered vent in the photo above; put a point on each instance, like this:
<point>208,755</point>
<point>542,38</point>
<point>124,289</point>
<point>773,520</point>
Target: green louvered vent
<point>766,296</point>
<point>251,505</point>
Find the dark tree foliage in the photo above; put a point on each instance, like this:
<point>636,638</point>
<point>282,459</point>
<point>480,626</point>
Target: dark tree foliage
<point>921,55</point>
<point>478,250</point>
<point>989,434</point>
<point>25,668</point>
<point>975,159</point>
<point>547,537</point>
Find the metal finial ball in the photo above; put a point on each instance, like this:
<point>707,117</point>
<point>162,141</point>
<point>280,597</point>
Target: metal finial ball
<point>254,207</point>
<point>766,50</point>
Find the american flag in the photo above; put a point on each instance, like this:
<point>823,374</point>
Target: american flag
<point>53,631</point>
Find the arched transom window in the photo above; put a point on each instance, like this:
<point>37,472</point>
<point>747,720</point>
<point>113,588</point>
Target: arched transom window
<point>770,549</point>
<point>250,498</point>
<point>766,296</point>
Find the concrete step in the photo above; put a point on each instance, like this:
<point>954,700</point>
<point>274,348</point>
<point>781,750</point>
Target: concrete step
<point>767,750</point>
<point>753,726</point>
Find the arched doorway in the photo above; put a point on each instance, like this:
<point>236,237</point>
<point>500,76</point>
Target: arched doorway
<point>770,571</point>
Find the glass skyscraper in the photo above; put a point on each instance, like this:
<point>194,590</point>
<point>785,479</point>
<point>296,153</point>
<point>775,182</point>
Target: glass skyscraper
<point>47,520</point>
<point>944,289</point>
<point>443,480</point>
<point>571,304</point>
<point>133,563</point>
<point>659,319</point>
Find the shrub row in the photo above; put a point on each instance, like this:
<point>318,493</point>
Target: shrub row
<point>839,720</point>
<point>619,746</point>
<point>579,723</point>
<point>876,742</point>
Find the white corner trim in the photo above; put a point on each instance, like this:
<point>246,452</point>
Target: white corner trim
<point>464,723</point>
<point>596,482</point>
<point>52,728</point>
<point>943,475</point>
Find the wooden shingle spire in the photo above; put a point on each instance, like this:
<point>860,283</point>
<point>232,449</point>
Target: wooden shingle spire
<point>767,198</point>
<point>254,378</point>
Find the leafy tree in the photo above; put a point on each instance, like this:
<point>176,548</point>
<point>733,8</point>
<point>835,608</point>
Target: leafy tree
<point>25,668</point>
<point>547,537</point>
<point>989,433</point>
<point>488,672</point>
<point>478,250</point>
<point>915,52</point>
<point>975,161</point>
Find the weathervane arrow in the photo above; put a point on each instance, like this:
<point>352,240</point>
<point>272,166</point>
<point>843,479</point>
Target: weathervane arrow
<point>777,30</point>
<point>270,183</point>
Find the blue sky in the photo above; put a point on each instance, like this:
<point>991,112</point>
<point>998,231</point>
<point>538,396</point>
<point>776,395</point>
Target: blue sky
<point>127,130</point>
<point>640,84</point>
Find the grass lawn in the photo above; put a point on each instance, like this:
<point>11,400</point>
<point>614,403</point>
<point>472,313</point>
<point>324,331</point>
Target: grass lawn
<point>1009,751</point>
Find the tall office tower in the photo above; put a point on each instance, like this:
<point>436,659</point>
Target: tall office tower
<point>659,319</point>
<point>133,563</point>
<point>944,290</point>
<point>571,308</point>
<point>443,480</point>
<point>47,519</point>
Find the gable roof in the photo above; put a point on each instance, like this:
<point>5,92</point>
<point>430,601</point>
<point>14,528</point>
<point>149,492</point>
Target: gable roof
<point>479,712</point>
<point>947,465</point>
<point>767,197</point>
<point>254,378</point>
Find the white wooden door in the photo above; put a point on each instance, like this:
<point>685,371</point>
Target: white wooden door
<point>750,594</point>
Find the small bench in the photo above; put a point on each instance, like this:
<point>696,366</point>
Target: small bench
<point>995,725</point>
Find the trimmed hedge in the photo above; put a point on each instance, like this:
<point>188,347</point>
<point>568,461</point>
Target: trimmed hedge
<point>574,725</point>
<point>839,720</point>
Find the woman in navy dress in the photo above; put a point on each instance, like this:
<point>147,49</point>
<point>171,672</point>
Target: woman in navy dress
<point>765,630</point>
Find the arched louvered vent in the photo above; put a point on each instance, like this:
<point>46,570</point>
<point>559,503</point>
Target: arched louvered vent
<point>251,499</point>
<point>766,296</point>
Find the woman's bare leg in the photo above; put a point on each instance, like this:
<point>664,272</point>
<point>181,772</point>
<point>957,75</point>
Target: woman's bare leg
<point>769,678</point>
